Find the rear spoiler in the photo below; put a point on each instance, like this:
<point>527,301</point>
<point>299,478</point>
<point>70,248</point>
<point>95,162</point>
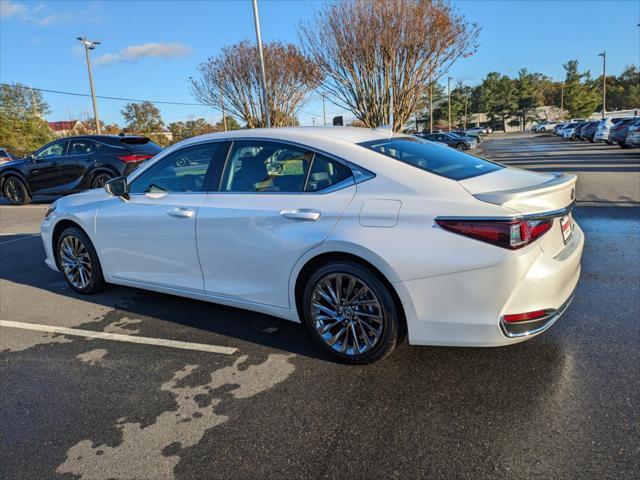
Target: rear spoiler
<point>556,186</point>
<point>134,140</point>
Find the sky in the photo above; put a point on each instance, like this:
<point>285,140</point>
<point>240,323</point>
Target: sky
<point>150,48</point>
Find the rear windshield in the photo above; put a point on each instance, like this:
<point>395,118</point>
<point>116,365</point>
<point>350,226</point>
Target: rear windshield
<point>444,161</point>
<point>140,144</point>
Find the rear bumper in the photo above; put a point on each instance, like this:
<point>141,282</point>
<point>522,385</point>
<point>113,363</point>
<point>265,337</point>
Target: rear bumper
<point>466,308</point>
<point>533,327</point>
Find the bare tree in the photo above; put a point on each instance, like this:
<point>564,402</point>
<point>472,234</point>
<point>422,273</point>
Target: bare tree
<point>233,77</point>
<point>370,51</point>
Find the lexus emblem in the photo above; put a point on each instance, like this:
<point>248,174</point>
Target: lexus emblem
<point>573,193</point>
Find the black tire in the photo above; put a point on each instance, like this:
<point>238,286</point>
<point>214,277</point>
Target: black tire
<point>390,333</point>
<point>608,142</point>
<point>623,144</point>
<point>460,147</point>
<point>15,191</point>
<point>96,281</point>
<point>99,179</point>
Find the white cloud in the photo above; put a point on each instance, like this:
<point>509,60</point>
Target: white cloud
<point>134,53</point>
<point>9,9</point>
<point>39,14</point>
<point>51,19</point>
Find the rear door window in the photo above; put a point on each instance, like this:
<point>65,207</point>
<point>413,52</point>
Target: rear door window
<point>261,166</point>
<point>446,162</point>
<point>326,173</point>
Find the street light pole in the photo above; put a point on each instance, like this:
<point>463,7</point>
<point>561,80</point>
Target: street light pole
<point>91,45</point>
<point>324,111</point>
<point>449,96</point>
<point>265,100</point>
<point>604,82</point>
<point>562,100</point>
<point>430,104</point>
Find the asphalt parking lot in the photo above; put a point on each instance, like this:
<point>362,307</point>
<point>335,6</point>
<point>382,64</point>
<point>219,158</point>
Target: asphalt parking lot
<point>268,403</point>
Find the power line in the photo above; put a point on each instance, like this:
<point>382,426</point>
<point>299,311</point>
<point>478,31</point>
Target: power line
<point>104,97</point>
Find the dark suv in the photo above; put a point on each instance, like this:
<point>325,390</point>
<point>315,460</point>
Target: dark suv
<point>73,164</point>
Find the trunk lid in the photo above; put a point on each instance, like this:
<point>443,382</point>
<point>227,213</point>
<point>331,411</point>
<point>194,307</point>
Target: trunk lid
<point>524,191</point>
<point>530,193</point>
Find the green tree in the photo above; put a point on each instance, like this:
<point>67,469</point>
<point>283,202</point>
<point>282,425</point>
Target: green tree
<point>191,128</point>
<point>22,125</point>
<point>142,118</point>
<point>498,98</point>
<point>580,96</point>
<point>623,91</point>
<point>439,95</point>
<point>529,92</point>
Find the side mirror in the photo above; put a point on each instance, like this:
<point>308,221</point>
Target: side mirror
<point>31,158</point>
<point>118,187</point>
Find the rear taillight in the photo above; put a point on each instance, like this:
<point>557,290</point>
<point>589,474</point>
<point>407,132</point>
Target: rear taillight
<point>526,317</point>
<point>511,234</point>
<point>134,158</point>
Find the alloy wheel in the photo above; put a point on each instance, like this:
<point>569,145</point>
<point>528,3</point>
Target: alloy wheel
<point>75,262</point>
<point>346,314</point>
<point>13,191</point>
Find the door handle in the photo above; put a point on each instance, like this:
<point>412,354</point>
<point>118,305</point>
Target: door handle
<point>304,214</point>
<point>180,213</point>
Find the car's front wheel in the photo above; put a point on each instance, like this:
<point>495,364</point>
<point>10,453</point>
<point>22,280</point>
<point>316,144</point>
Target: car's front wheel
<point>350,312</point>
<point>461,146</point>
<point>78,261</point>
<point>15,191</point>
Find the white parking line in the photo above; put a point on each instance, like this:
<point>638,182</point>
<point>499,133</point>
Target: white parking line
<point>17,239</point>
<point>201,347</point>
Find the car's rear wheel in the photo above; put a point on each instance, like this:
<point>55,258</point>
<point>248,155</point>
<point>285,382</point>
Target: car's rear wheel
<point>100,179</point>
<point>15,191</point>
<point>79,261</point>
<point>351,312</point>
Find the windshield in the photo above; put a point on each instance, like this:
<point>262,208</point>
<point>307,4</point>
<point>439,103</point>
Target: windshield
<point>432,158</point>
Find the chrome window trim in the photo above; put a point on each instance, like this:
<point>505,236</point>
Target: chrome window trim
<point>338,186</point>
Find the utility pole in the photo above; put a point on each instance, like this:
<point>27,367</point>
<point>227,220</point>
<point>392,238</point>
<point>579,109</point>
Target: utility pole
<point>430,104</point>
<point>324,111</point>
<point>224,116</point>
<point>562,100</point>
<point>604,82</point>
<point>265,99</point>
<point>449,101</point>
<point>91,45</point>
<point>466,100</point>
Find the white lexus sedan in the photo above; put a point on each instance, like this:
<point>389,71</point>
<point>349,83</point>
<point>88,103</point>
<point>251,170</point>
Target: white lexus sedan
<point>360,235</point>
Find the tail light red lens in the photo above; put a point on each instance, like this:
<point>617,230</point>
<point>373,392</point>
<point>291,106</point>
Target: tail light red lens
<point>523,317</point>
<point>511,234</point>
<point>134,158</point>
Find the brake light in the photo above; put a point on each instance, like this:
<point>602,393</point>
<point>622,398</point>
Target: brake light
<point>523,317</point>
<point>134,158</point>
<point>511,234</point>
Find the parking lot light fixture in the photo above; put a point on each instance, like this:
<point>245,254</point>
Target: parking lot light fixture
<point>263,75</point>
<point>91,45</point>
<point>449,98</point>
<point>604,82</point>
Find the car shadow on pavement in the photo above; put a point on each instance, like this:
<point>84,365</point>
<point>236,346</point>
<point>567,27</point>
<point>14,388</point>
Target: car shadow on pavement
<point>158,315</point>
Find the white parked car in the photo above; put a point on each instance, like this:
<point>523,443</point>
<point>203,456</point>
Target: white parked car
<point>358,234</point>
<point>568,130</point>
<point>545,126</point>
<point>479,131</point>
<point>604,128</point>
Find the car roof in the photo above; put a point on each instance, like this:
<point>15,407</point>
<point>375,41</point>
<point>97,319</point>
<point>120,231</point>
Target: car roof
<point>352,135</point>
